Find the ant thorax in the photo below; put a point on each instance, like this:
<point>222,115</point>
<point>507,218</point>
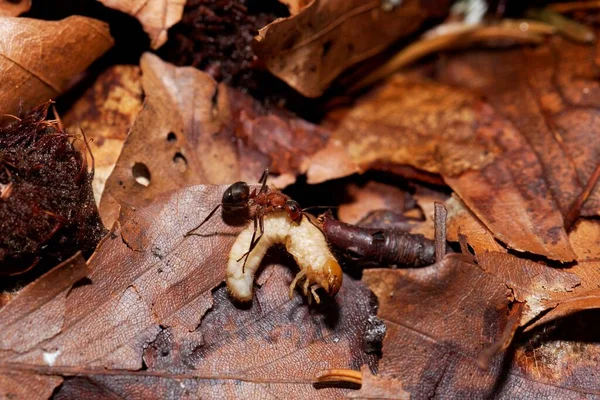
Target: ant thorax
<point>304,241</point>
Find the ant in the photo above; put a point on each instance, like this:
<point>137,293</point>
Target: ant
<point>265,200</point>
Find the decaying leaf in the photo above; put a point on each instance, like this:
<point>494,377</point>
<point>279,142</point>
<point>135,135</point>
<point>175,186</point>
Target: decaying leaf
<point>105,114</point>
<point>309,49</point>
<point>40,58</point>
<point>480,155</point>
<point>552,96</point>
<point>461,221</point>
<point>152,319</point>
<point>439,319</point>
<point>370,197</point>
<point>13,8</point>
<point>191,130</point>
<point>156,16</point>
<point>555,362</point>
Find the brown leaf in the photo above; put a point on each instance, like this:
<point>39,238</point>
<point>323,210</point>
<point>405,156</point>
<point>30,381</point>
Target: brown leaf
<point>105,114</point>
<point>154,319</point>
<point>156,16</point>
<point>312,47</point>
<point>551,95</point>
<point>529,281</point>
<point>191,130</point>
<point>481,156</point>
<point>40,58</point>
<point>556,362</point>
<point>370,197</point>
<point>12,8</point>
<point>462,222</point>
<point>439,319</point>
<point>377,387</point>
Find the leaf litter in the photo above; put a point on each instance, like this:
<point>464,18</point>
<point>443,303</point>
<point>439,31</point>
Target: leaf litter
<point>167,316</point>
<point>150,315</point>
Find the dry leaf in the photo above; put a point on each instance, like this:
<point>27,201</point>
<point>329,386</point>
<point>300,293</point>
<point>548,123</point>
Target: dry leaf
<point>529,281</point>
<point>156,16</point>
<point>105,114</point>
<point>40,58</point>
<point>191,130</point>
<point>552,96</point>
<point>451,132</point>
<point>152,319</point>
<point>371,197</point>
<point>461,221</point>
<point>312,47</point>
<point>555,362</point>
<point>13,8</point>
<point>439,319</point>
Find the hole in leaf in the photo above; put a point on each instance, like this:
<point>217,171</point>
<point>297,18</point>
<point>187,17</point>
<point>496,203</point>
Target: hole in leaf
<point>141,173</point>
<point>171,137</point>
<point>180,161</point>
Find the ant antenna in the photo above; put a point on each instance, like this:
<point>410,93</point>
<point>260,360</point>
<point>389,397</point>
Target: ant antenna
<point>263,180</point>
<point>205,219</point>
<point>314,207</point>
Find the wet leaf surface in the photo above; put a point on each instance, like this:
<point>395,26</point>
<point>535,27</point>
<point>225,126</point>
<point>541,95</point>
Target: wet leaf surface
<point>156,16</point>
<point>309,49</point>
<point>452,132</point>
<point>158,323</point>
<point>56,51</point>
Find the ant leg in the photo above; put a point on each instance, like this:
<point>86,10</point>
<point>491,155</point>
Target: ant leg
<point>253,242</point>
<point>313,290</point>
<point>205,219</point>
<point>299,276</point>
<point>305,287</point>
<point>263,181</point>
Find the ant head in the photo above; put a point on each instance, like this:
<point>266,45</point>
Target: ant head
<point>236,195</point>
<point>293,209</point>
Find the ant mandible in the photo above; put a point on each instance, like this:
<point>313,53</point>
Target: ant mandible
<point>265,200</point>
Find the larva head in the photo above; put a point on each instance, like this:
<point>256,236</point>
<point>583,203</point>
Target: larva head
<point>236,195</point>
<point>293,210</point>
<point>332,277</point>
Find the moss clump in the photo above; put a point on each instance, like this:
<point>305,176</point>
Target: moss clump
<point>47,209</point>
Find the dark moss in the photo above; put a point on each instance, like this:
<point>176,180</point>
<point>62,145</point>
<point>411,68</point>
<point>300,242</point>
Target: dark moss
<point>47,209</point>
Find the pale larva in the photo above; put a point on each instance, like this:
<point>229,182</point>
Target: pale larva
<point>304,241</point>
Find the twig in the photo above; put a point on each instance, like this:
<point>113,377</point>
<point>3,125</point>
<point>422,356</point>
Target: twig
<point>440,214</point>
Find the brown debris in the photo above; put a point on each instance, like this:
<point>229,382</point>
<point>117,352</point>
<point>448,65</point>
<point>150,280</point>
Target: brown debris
<point>48,214</point>
<point>452,132</point>
<point>105,114</point>
<point>159,323</point>
<point>309,49</point>
<point>156,16</point>
<point>192,130</point>
<point>36,64</point>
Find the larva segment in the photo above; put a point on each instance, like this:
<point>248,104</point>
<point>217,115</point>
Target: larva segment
<point>304,241</point>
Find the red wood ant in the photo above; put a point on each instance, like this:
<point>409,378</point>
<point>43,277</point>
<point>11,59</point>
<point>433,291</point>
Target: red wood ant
<point>265,201</point>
